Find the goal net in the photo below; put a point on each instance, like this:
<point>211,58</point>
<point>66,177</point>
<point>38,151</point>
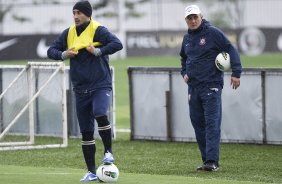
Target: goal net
<point>33,107</point>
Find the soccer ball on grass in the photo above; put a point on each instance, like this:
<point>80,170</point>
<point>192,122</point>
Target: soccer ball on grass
<point>107,173</point>
<point>222,61</point>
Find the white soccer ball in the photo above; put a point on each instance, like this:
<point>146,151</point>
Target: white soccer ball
<point>222,61</point>
<point>107,173</point>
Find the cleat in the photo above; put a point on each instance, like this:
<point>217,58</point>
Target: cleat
<point>210,166</point>
<point>89,176</point>
<point>108,158</point>
<point>200,168</point>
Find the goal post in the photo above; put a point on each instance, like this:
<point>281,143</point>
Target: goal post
<point>25,98</point>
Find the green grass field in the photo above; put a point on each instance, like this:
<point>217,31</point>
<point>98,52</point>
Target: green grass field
<point>32,175</point>
<point>148,161</point>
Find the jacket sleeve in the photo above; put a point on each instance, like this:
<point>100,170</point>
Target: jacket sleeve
<point>58,46</point>
<point>183,58</point>
<point>225,45</point>
<point>110,43</point>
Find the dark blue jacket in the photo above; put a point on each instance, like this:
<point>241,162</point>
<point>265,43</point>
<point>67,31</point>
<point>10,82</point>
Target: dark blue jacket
<point>87,71</point>
<point>198,52</point>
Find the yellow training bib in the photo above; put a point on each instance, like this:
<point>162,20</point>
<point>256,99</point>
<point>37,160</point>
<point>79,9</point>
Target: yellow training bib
<point>85,38</point>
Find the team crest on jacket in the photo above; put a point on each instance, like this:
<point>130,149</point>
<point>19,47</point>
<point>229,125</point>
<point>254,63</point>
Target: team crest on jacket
<point>202,41</point>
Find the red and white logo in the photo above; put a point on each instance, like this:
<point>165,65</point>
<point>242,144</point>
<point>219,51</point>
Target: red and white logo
<point>202,41</point>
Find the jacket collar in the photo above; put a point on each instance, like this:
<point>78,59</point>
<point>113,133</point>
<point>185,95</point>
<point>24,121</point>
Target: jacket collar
<point>203,25</point>
<point>82,27</point>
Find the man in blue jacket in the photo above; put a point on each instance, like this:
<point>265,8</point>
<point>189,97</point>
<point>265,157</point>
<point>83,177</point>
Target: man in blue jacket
<point>199,49</point>
<point>87,44</point>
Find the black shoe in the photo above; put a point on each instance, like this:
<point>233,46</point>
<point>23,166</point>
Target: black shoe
<point>210,166</point>
<point>200,168</point>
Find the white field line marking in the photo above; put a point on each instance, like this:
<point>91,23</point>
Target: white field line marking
<point>123,130</point>
<point>39,173</point>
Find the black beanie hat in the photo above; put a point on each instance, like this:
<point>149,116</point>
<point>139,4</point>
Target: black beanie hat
<point>84,7</point>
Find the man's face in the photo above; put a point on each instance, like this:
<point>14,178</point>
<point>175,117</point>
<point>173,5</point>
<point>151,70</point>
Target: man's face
<point>79,17</point>
<point>193,21</point>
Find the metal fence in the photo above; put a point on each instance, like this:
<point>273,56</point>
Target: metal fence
<point>47,115</point>
<point>159,106</point>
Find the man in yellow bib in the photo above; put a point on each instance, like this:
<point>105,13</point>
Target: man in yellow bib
<point>88,45</point>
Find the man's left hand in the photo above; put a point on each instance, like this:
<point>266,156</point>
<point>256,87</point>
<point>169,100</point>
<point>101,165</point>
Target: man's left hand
<point>90,48</point>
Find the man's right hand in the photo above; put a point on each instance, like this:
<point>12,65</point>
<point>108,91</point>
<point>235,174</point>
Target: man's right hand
<point>70,53</point>
<point>186,78</point>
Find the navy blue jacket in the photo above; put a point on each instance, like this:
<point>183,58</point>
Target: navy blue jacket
<point>198,52</point>
<point>87,71</point>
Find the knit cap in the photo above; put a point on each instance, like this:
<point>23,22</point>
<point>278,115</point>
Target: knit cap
<point>83,6</point>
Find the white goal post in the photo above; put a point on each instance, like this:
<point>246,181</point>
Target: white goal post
<point>28,76</point>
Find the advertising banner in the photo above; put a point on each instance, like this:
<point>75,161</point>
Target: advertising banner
<point>250,41</point>
<point>24,47</point>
